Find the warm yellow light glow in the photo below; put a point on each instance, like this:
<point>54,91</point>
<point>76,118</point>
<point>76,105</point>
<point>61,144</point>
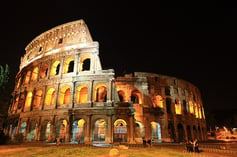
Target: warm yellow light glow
<point>28,100</point>
<point>54,68</point>
<point>35,74</point>
<point>178,109</point>
<point>196,110</point>
<point>49,99</point>
<point>64,96</point>
<point>81,123</point>
<point>158,102</point>
<point>27,79</point>
<point>81,94</point>
<point>66,65</point>
<point>120,121</point>
<point>37,98</point>
<point>191,107</point>
<point>18,83</point>
<point>100,93</point>
<point>43,71</point>
<point>80,66</point>
<point>200,112</point>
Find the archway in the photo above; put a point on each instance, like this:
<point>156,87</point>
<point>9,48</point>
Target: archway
<point>120,131</point>
<point>189,132</point>
<point>171,131</point>
<point>155,131</point>
<point>139,130</point>
<point>22,128</point>
<point>180,133</point>
<point>99,131</point>
<point>45,131</point>
<point>32,131</point>
<point>78,129</point>
<point>61,130</point>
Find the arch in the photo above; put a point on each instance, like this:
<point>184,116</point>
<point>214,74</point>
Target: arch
<point>191,110</point>
<point>61,130</point>
<point>34,75</point>
<point>85,63</point>
<point>181,134</point>
<point>167,91</point>
<point>37,98</point>
<point>121,95</point>
<point>23,128</point>
<point>100,93</point>
<point>45,130</point>
<point>99,131</point>
<point>196,110</point>
<point>189,132</point>
<point>21,101</point>
<point>168,105</point>
<point>32,130</point>
<point>50,96</point>
<point>55,68</point>
<point>16,103</point>
<point>27,78</point>
<point>136,97</point>
<point>185,108</point>
<point>82,94</point>
<point>139,130</point>
<point>44,71</point>
<point>158,101</point>
<point>28,100</point>
<point>178,109</point>
<point>155,131</point>
<point>120,131</point>
<point>78,130</point>
<point>64,96</point>
<point>194,132</point>
<point>68,65</point>
<point>171,131</point>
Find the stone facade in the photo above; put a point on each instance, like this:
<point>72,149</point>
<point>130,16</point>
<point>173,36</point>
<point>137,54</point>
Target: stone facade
<point>63,93</point>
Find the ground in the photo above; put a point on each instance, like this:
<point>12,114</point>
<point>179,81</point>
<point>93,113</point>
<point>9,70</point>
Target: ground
<point>78,151</point>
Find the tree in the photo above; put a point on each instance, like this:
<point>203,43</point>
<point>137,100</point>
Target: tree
<point>4,81</point>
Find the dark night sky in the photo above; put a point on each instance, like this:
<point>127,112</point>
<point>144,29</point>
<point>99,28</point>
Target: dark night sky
<point>197,45</point>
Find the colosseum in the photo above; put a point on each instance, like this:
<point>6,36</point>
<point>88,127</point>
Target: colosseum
<point>62,93</point>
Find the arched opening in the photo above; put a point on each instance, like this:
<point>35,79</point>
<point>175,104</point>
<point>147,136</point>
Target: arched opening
<point>55,68</point>
<point>61,130</point>
<point>16,102</point>
<point>189,132</point>
<point>181,134</point>
<point>178,107</point>
<point>168,105</point>
<point>136,97</point>
<point>27,78</point>
<point>158,101</point>
<point>155,131</point>
<point>121,96</point>
<point>99,131</point>
<point>200,111</point>
<point>34,75</point>
<point>167,91</point>
<point>185,107</point>
<point>196,110</point>
<point>191,110</point>
<point>37,98</point>
<point>171,132</point>
<point>68,66</point>
<point>32,131</point>
<point>86,65</point>
<point>81,94</point>
<point>194,132</point>
<point>28,100</point>
<point>50,96</point>
<point>22,128</point>
<point>44,71</point>
<point>139,130</point>
<point>64,96</point>
<point>100,93</point>
<point>14,130</point>
<point>120,131</point>
<point>45,130</point>
<point>22,101</point>
<point>78,129</point>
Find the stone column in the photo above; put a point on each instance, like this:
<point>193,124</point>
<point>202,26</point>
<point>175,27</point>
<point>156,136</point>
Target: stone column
<point>88,132</point>
<point>109,133</point>
<point>131,129</point>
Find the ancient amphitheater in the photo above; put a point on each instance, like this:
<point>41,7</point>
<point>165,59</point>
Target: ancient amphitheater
<point>62,92</point>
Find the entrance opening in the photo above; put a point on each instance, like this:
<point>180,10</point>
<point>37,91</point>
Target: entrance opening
<point>32,131</point>
<point>156,131</point>
<point>45,131</point>
<point>61,129</point>
<point>120,131</point>
<point>99,131</point>
<point>78,131</point>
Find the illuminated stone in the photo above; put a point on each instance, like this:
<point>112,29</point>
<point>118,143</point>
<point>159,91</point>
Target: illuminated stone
<point>63,93</point>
